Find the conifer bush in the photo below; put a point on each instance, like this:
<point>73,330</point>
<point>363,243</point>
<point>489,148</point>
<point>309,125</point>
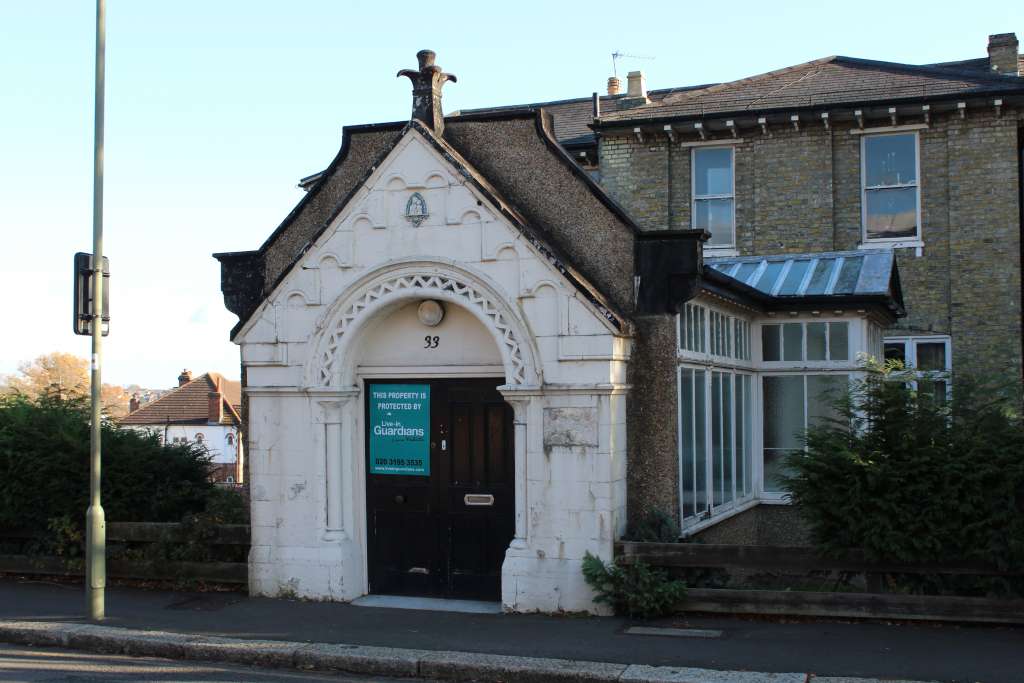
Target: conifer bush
<point>910,477</point>
<point>44,471</point>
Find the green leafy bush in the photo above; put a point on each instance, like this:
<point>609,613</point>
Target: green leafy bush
<point>635,590</point>
<point>657,526</point>
<point>44,473</point>
<point>911,478</point>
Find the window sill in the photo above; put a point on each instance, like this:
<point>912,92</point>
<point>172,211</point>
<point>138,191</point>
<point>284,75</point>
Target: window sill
<point>894,244</point>
<point>703,524</point>
<point>721,251</point>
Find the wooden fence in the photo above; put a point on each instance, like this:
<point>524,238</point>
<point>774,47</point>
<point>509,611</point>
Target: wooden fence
<point>802,561</point>
<point>139,534</point>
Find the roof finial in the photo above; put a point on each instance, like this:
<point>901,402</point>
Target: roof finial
<point>426,90</point>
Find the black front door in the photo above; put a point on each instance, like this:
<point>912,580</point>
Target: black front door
<point>442,529</point>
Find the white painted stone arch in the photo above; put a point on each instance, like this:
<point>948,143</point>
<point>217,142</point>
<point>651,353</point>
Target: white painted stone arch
<point>334,363</point>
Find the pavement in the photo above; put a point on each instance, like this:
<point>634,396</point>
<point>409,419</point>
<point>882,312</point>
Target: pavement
<point>378,641</point>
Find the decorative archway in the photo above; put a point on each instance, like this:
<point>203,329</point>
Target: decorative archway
<point>333,363</point>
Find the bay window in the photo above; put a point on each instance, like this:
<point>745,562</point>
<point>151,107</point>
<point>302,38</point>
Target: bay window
<point>714,194</point>
<point>890,190</point>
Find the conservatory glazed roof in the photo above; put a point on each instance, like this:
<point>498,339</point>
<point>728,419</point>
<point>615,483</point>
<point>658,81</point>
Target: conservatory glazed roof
<point>826,275</point>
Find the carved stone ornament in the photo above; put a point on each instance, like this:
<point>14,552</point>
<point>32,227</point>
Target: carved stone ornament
<point>416,209</point>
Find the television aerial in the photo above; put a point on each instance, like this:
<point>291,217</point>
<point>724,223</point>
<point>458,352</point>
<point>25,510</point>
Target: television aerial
<point>616,56</point>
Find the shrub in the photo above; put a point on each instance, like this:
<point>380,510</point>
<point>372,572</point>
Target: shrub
<point>909,478</point>
<point>44,471</point>
<point>633,590</point>
<point>656,526</point>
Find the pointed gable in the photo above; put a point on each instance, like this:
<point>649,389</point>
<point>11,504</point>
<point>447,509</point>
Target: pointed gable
<point>513,160</point>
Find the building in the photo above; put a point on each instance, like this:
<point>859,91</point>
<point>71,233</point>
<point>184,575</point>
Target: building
<point>204,410</point>
<point>480,344</point>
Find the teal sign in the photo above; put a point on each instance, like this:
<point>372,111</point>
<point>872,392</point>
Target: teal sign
<point>400,429</point>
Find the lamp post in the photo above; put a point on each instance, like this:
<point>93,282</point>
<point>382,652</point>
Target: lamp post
<point>95,523</point>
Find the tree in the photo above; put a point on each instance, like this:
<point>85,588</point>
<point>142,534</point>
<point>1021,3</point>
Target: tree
<point>65,376</point>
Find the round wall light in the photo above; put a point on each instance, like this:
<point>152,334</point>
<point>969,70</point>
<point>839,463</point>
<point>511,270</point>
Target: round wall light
<point>430,313</point>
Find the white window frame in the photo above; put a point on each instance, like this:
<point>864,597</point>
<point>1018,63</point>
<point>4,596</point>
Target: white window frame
<point>729,318</point>
<point>717,248</point>
<point>852,333</point>
<point>739,501</point>
<point>895,242</point>
<point>910,343</point>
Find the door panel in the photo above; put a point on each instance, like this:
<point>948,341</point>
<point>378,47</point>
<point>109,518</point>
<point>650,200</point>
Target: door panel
<point>446,534</point>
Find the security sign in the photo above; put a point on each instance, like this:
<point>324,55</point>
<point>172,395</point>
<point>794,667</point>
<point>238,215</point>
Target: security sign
<point>400,429</point>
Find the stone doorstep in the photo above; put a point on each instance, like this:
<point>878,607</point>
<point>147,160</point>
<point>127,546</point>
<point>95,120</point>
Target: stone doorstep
<point>371,660</point>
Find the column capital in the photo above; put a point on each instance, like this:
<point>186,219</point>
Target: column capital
<point>332,404</point>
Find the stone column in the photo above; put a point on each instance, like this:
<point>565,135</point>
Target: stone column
<point>520,406</point>
<point>333,412</point>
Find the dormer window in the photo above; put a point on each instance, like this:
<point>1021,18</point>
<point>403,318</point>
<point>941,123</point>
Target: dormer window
<point>890,196</point>
<point>714,194</point>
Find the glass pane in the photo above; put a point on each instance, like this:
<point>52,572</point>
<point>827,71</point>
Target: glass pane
<point>687,332</point>
<point>822,393</point>
<point>748,437</point>
<point>783,424</point>
<point>746,270</point>
<point>793,341</point>
<point>839,341</point>
<point>728,467</point>
<point>712,171</point>
<point>846,283</point>
<point>783,411</point>
<point>931,356</point>
<point>891,213</point>
<point>727,349</point>
<point>771,349</point>
<point>715,216</point>
<point>890,160</point>
<point>794,277</point>
<point>700,440</point>
<point>687,439</point>
<point>700,330</point>
<point>767,280</point>
<point>741,422</point>
<point>821,276</point>
<point>816,341</point>
<point>896,351</point>
<point>716,437</point>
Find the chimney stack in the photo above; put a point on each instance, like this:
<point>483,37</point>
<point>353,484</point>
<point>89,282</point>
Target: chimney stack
<point>1003,57</point>
<point>614,85</point>
<point>637,85</point>
<point>427,82</point>
<point>184,378</point>
<point>133,403</point>
<point>215,403</point>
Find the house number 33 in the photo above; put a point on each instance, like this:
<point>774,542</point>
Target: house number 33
<point>431,342</point>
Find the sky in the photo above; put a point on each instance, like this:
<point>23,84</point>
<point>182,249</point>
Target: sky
<point>216,108</point>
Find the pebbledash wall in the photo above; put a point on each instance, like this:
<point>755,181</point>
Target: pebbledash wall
<point>332,322</point>
<point>799,192</point>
